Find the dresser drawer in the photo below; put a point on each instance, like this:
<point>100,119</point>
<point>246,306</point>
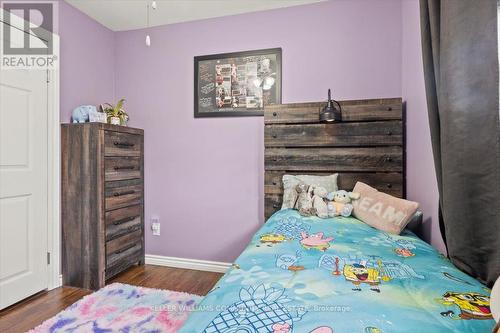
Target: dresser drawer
<point>123,243</point>
<point>123,221</point>
<point>122,196</point>
<point>121,168</point>
<point>117,263</point>
<point>119,258</point>
<point>122,144</point>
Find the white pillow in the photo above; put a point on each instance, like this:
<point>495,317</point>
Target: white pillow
<point>291,181</point>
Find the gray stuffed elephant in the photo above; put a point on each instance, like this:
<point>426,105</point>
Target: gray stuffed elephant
<point>81,113</point>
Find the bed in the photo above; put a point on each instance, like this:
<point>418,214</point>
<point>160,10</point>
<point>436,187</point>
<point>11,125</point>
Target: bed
<point>293,277</point>
<point>306,274</point>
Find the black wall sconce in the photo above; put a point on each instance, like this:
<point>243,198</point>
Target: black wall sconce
<point>330,113</point>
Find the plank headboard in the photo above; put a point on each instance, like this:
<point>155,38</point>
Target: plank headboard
<point>368,145</point>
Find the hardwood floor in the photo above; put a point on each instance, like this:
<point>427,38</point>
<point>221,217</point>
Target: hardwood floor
<point>31,312</point>
<point>187,280</point>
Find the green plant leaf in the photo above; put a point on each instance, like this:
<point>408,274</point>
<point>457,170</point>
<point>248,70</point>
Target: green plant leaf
<point>119,105</point>
<point>115,110</point>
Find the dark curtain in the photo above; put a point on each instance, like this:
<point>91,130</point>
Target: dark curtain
<point>460,53</point>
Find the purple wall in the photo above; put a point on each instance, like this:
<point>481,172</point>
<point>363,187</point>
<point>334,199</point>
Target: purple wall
<point>204,177</point>
<point>87,61</point>
<point>421,178</point>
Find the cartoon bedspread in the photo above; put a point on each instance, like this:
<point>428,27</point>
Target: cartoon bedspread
<point>340,275</point>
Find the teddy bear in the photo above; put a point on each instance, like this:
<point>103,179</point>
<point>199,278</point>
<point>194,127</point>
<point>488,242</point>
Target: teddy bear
<point>311,200</point>
<point>340,203</point>
<point>319,204</point>
<point>304,202</point>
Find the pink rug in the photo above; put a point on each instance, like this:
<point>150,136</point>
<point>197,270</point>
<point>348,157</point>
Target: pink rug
<point>123,308</point>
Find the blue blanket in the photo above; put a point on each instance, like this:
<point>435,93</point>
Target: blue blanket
<point>340,275</point>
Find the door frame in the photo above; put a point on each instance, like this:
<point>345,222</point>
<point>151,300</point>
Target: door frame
<point>54,177</point>
<point>54,278</point>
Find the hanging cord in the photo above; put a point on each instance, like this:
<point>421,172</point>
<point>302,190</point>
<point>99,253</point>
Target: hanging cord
<point>147,15</point>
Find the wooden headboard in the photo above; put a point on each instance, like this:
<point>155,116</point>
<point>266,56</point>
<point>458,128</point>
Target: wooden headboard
<point>368,145</point>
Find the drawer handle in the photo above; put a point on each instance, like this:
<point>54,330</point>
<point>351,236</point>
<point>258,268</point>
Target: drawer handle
<point>119,194</point>
<point>125,249</point>
<point>126,167</point>
<point>123,144</point>
<point>125,220</point>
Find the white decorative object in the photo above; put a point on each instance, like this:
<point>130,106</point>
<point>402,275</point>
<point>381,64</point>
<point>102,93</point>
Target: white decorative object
<point>114,120</point>
<point>97,117</point>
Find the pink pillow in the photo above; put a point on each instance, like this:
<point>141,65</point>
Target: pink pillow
<point>381,210</point>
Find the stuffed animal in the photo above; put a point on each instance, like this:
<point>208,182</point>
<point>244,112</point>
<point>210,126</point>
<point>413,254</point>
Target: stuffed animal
<point>304,202</point>
<point>81,113</point>
<point>319,203</point>
<point>340,203</point>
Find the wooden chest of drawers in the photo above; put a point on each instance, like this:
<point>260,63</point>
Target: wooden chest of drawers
<point>102,202</point>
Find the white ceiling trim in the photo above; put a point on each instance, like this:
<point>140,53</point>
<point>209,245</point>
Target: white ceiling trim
<point>120,15</point>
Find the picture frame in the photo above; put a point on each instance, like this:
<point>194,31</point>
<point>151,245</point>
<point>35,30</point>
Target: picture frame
<point>237,84</point>
<point>98,115</point>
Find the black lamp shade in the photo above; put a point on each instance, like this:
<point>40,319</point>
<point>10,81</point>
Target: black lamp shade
<point>330,113</point>
<point>326,115</point>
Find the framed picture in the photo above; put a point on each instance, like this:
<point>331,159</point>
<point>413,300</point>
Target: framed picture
<point>237,84</point>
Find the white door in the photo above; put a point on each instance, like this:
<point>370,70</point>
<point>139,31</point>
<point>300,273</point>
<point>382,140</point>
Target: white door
<point>23,184</point>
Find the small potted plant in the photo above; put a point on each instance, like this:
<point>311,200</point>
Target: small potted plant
<point>115,113</point>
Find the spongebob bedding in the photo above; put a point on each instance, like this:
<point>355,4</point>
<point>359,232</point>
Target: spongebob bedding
<point>340,275</point>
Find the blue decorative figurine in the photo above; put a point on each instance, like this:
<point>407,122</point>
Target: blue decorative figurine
<point>81,113</point>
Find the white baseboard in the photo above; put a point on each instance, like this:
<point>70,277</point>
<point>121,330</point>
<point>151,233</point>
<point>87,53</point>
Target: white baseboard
<point>201,265</point>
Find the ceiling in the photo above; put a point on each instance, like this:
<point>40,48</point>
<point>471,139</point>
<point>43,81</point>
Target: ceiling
<point>119,15</point>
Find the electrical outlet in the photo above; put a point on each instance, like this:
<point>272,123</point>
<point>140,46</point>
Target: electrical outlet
<point>155,225</point>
